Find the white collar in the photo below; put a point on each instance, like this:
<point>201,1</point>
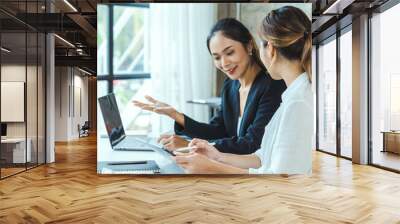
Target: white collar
<point>294,85</point>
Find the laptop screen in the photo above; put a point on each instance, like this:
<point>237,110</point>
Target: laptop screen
<point>112,119</point>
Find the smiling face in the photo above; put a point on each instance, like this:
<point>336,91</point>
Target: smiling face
<point>230,56</point>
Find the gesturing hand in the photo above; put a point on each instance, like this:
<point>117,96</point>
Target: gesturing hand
<point>156,106</point>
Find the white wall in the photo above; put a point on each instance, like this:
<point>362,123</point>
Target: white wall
<point>14,73</point>
<point>33,127</point>
<point>61,104</point>
<point>17,73</point>
<point>71,94</point>
<point>80,100</point>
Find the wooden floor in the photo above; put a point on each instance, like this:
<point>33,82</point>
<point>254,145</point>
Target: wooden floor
<point>387,159</point>
<point>5,172</point>
<point>10,171</point>
<point>70,191</point>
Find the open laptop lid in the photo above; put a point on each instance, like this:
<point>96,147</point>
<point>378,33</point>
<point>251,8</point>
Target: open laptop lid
<point>112,118</point>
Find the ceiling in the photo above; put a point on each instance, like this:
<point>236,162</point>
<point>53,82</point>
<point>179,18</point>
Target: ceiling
<point>77,25</point>
<point>331,15</point>
<point>76,22</point>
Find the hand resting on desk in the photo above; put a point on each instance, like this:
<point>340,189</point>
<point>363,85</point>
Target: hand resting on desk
<point>195,163</point>
<point>201,159</point>
<point>171,142</point>
<point>204,147</point>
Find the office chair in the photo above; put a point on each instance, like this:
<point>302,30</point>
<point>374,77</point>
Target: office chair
<point>84,130</point>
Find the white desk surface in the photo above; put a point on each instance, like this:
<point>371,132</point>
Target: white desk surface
<point>162,158</point>
<point>19,155</point>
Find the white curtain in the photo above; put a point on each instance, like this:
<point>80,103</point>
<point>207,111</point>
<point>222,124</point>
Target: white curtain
<point>180,65</point>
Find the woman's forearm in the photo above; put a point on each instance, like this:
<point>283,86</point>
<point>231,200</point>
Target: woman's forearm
<point>241,161</point>
<point>179,118</point>
<point>221,168</point>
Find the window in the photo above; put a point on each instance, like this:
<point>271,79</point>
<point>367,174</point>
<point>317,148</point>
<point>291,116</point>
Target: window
<point>327,96</point>
<point>346,94</point>
<point>22,64</point>
<point>394,101</point>
<point>102,88</point>
<point>314,88</point>
<point>123,61</point>
<point>135,121</point>
<point>129,43</point>
<point>385,89</point>
<point>102,43</point>
<point>334,84</point>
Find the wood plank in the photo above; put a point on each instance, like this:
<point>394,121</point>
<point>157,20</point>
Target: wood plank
<point>70,191</point>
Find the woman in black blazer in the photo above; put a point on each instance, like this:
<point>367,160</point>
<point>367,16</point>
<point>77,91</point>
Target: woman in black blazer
<point>249,96</point>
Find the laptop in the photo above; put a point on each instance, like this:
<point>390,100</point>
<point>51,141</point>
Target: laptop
<point>116,133</point>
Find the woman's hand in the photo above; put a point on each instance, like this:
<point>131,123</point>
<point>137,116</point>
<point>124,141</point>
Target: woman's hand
<point>157,107</point>
<point>171,142</point>
<point>195,163</point>
<point>204,148</point>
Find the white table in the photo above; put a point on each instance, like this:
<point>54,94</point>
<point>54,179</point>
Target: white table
<point>19,149</point>
<point>162,158</point>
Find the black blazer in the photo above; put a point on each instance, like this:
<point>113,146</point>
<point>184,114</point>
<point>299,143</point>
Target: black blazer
<point>262,101</point>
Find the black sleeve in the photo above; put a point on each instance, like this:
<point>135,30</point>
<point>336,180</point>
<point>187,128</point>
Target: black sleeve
<point>194,129</point>
<point>251,141</point>
<point>215,129</point>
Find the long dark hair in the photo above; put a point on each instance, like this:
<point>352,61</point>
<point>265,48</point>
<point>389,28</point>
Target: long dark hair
<point>235,30</point>
<point>289,30</point>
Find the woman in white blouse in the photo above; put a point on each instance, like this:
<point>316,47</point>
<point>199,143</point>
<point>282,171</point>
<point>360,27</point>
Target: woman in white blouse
<point>286,147</point>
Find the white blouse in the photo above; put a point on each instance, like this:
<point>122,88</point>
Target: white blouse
<point>286,146</point>
<point>238,125</point>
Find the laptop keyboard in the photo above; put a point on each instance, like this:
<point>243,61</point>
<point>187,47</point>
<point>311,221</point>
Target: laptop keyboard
<point>133,143</point>
<point>130,143</point>
<point>142,144</point>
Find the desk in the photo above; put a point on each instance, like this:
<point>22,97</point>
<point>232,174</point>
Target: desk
<point>15,148</point>
<point>391,141</point>
<point>162,158</point>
